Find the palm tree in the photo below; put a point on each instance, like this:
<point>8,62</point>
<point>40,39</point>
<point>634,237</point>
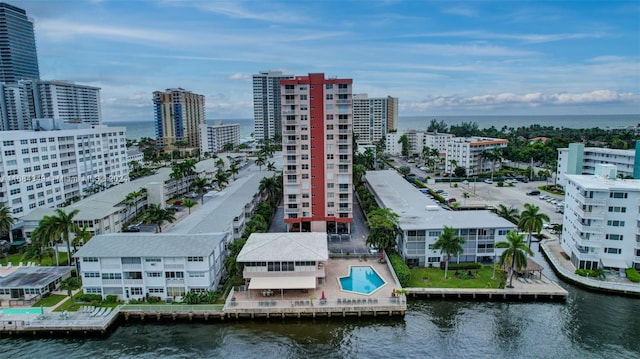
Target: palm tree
<point>220,163</point>
<point>234,170</point>
<point>449,243</point>
<point>188,202</point>
<point>385,228</point>
<point>454,164</point>
<point>260,161</point>
<point>270,186</point>
<point>199,183</point>
<point>228,147</point>
<point>158,215</point>
<point>64,225</point>
<point>515,254</point>
<point>82,236</point>
<point>46,233</point>
<point>6,219</point>
<point>531,220</point>
<point>221,179</point>
<point>271,166</point>
<point>509,213</point>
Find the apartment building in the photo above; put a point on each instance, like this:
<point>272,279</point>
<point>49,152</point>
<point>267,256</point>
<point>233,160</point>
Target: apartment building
<point>422,220</point>
<point>178,114</point>
<point>45,168</point>
<point>417,141</point>
<point>372,116</point>
<point>214,138</point>
<point>601,227</point>
<point>317,153</point>
<point>67,101</point>
<point>136,265</point>
<point>17,105</point>
<point>467,153</point>
<point>578,159</point>
<point>267,107</point>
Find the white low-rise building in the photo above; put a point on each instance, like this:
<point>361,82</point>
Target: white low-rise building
<point>467,153</point>
<point>422,221</point>
<point>213,138</point>
<point>601,227</point>
<point>136,265</point>
<point>417,141</point>
<point>580,160</point>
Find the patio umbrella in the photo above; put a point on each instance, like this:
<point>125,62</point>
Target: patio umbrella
<point>323,295</point>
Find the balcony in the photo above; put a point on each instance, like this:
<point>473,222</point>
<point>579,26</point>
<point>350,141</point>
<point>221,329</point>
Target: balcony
<point>289,102</point>
<point>290,142</point>
<point>175,281</point>
<point>344,151</point>
<point>345,132</point>
<point>344,171</point>
<point>133,281</point>
<point>589,229</point>
<point>292,162</point>
<point>289,132</point>
<point>132,267</point>
<point>344,209</point>
<point>344,160</point>
<point>174,266</point>
<point>291,152</point>
<point>289,91</point>
<point>344,90</point>
<point>292,210</point>
<point>598,214</point>
<point>344,121</point>
<point>344,141</point>
<point>290,172</point>
<point>289,112</point>
<point>111,281</point>
<point>343,102</point>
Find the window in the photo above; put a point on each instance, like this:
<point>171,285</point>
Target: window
<point>93,290</point>
<point>330,156</point>
<point>618,195</point>
<point>195,259</point>
<point>614,237</point>
<point>152,259</point>
<point>156,290</point>
<point>502,232</point>
<point>329,86</point>
<point>196,274</point>
<point>613,223</point>
<point>613,250</point>
<point>92,275</point>
<point>111,275</point>
<point>329,96</point>
<point>174,275</point>
<point>154,274</point>
<point>618,209</point>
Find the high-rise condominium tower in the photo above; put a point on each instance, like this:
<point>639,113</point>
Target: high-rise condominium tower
<point>18,57</point>
<point>372,117</point>
<point>266,104</point>
<point>178,114</point>
<point>317,151</point>
<point>72,103</point>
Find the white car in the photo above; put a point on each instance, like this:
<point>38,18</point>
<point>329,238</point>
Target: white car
<point>488,181</point>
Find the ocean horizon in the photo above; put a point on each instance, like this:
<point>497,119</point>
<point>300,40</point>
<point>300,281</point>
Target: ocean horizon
<point>145,128</point>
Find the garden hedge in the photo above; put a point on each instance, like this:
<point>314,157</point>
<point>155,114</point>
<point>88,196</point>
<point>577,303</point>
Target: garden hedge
<point>400,267</point>
<point>465,265</point>
<point>633,275</point>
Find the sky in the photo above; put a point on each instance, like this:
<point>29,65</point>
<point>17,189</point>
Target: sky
<point>438,57</point>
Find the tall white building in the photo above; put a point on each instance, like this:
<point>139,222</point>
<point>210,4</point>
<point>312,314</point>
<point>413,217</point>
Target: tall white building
<point>372,117</point>
<point>317,137</point>
<point>578,159</point>
<point>467,153</point>
<point>267,109</point>
<point>214,137</point>
<point>44,168</point>
<point>17,106</point>
<point>601,226</point>
<point>68,101</point>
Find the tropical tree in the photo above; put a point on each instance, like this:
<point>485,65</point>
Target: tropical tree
<point>228,147</point>
<point>260,161</point>
<point>271,166</point>
<point>189,203</point>
<point>515,254</point>
<point>384,228</point>
<point>449,243</point>
<point>132,199</point>
<point>270,186</point>
<point>511,214</point>
<point>70,284</point>
<point>220,163</point>
<point>200,183</point>
<point>531,220</point>
<point>404,141</point>
<point>6,219</point>
<point>358,172</point>
<point>221,179</point>
<point>454,164</point>
<point>158,215</point>
<point>82,236</point>
<point>63,225</point>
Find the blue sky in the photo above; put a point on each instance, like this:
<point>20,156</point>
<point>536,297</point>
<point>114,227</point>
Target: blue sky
<point>438,57</point>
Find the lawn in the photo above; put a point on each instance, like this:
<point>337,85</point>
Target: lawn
<point>15,260</point>
<point>434,278</point>
<point>72,306</point>
<point>50,301</point>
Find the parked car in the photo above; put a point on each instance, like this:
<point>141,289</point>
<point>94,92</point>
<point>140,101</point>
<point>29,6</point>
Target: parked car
<point>544,197</point>
<point>174,208</point>
<point>451,200</point>
<point>488,181</point>
<point>533,193</point>
<point>132,229</point>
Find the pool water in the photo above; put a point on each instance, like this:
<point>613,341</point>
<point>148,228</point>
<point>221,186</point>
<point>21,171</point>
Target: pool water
<point>361,280</point>
<point>10,311</point>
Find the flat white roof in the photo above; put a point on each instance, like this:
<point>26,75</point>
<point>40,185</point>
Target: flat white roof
<point>417,211</point>
<point>597,182</point>
<point>282,283</point>
<point>292,246</point>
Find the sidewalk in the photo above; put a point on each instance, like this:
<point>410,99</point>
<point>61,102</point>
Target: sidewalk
<point>51,309</point>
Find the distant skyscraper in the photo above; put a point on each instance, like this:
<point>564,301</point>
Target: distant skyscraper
<point>18,57</point>
<point>373,116</point>
<point>266,104</point>
<point>17,106</point>
<point>317,137</point>
<point>178,114</point>
<point>69,102</point>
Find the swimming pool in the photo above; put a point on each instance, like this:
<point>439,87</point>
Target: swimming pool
<point>10,311</point>
<point>362,280</point>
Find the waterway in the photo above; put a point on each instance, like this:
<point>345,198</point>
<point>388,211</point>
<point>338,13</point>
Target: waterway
<point>588,325</point>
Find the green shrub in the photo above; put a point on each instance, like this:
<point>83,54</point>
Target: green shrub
<point>633,275</point>
<point>465,265</point>
<point>500,184</point>
<point>88,298</point>
<point>153,300</point>
<point>400,267</point>
<point>111,298</point>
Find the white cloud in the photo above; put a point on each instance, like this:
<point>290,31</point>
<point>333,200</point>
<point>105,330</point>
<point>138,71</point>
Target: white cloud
<point>529,38</point>
<point>239,76</point>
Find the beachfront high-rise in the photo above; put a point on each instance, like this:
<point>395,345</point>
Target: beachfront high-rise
<point>178,114</point>
<point>267,114</point>
<point>373,116</point>
<point>317,153</point>
<point>18,57</point>
<point>214,138</point>
<point>67,101</point>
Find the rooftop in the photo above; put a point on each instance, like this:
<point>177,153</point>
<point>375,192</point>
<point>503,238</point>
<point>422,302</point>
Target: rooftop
<point>292,246</point>
<point>418,211</point>
<point>33,277</point>
<point>150,245</point>
<point>601,183</point>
